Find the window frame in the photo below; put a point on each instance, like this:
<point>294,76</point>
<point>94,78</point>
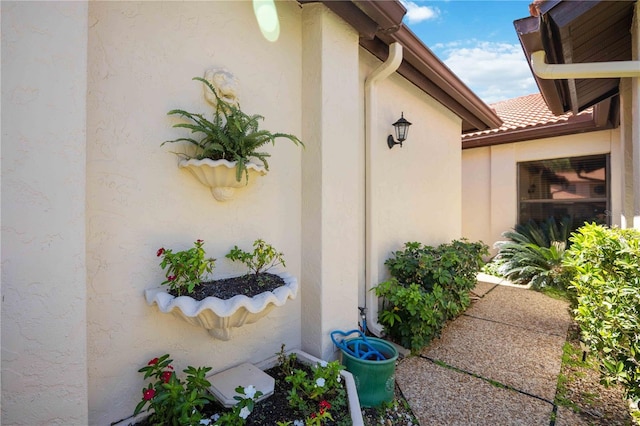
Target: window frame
<point>550,201</point>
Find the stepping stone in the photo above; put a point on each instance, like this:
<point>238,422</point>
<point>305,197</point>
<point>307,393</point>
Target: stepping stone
<point>224,384</point>
<point>523,308</point>
<point>441,396</point>
<point>526,360</point>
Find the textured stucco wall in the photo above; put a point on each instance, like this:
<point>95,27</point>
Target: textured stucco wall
<point>490,178</point>
<point>331,175</point>
<point>44,360</point>
<point>142,57</point>
<point>416,188</point>
<point>476,194</point>
<point>92,195</point>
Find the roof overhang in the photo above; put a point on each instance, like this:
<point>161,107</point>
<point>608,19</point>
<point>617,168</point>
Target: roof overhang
<point>575,32</point>
<point>604,116</point>
<point>379,24</point>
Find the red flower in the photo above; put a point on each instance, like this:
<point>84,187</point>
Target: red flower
<point>148,394</point>
<point>171,277</point>
<point>166,376</point>
<point>324,405</point>
<point>200,241</point>
<point>313,415</point>
<point>160,252</point>
<point>153,361</point>
<point>170,367</point>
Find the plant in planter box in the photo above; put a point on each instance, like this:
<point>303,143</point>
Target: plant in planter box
<point>308,392</point>
<point>237,416</point>
<point>263,258</point>
<point>223,304</point>
<point>230,140</point>
<point>185,269</point>
<point>173,401</point>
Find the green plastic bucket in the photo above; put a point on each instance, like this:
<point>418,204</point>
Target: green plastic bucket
<point>375,380</point>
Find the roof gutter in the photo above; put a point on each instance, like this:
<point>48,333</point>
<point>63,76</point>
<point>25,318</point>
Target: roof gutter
<point>617,69</point>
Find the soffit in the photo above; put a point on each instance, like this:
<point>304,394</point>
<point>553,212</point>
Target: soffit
<point>572,32</point>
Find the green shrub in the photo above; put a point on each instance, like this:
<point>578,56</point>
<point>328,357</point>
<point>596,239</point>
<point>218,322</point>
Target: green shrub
<point>533,254</point>
<point>428,286</point>
<point>606,267</point>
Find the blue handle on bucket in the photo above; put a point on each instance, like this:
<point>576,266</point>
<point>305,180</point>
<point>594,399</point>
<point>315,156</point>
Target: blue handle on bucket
<point>359,347</point>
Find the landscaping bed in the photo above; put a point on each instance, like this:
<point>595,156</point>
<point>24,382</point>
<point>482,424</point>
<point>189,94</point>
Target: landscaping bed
<point>579,387</point>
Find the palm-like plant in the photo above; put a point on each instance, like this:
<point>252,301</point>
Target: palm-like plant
<point>534,253</point>
<point>231,135</point>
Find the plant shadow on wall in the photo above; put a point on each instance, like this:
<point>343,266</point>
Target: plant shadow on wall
<point>220,305</point>
<point>428,287</point>
<point>222,151</point>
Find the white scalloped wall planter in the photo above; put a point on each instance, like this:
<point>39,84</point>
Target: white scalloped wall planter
<point>220,175</point>
<point>219,316</point>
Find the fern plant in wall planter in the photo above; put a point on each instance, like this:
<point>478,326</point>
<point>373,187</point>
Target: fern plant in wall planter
<point>224,153</point>
<point>223,304</point>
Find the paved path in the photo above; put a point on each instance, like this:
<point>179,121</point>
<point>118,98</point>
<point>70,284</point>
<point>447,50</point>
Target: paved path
<point>497,364</point>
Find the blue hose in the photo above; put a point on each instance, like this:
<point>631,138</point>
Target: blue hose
<point>358,347</point>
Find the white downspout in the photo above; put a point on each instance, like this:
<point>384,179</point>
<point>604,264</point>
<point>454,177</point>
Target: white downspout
<point>615,69</point>
<point>385,69</point>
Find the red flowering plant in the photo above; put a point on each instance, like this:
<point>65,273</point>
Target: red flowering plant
<point>173,401</point>
<point>323,415</point>
<point>185,269</point>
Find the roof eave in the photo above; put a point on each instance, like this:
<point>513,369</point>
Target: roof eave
<point>528,31</point>
<point>580,124</point>
<point>603,117</point>
<point>379,24</point>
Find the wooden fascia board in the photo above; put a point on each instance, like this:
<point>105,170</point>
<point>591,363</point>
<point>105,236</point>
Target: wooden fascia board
<point>528,31</point>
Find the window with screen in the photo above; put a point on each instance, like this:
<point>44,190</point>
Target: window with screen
<point>577,187</point>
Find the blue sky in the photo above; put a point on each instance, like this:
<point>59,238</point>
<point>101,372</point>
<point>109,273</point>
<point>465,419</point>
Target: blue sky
<point>477,40</point>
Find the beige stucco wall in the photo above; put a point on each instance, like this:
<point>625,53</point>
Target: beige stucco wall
<point>44,83</point>
<point>331,219</point>
<point>142,57</point>
<point>416,188</point>
<point>89,195</point>
<point>489,183</point>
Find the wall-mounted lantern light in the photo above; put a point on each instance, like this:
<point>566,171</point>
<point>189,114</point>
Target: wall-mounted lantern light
<point>402,130</point>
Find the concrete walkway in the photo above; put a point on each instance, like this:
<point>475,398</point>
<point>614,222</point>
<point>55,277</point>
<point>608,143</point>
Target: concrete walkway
<point>497,364</point>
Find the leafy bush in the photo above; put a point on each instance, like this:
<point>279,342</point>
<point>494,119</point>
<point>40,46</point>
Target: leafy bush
<point>606,267</point>
<point>533,254</point>
<point>429,286</point>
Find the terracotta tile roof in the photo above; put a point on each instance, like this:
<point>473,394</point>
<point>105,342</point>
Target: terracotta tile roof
<point>525,112</point>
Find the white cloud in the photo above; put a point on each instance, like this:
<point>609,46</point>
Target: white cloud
<point>416,14</point>
<point>494,71</point>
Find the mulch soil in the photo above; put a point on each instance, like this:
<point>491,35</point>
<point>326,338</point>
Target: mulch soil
<point>249,285</point>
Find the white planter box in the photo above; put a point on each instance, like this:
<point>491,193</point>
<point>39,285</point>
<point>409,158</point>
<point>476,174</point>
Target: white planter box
<point>352,394</point>
<point>350,385</point>
<point>219,316</point>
